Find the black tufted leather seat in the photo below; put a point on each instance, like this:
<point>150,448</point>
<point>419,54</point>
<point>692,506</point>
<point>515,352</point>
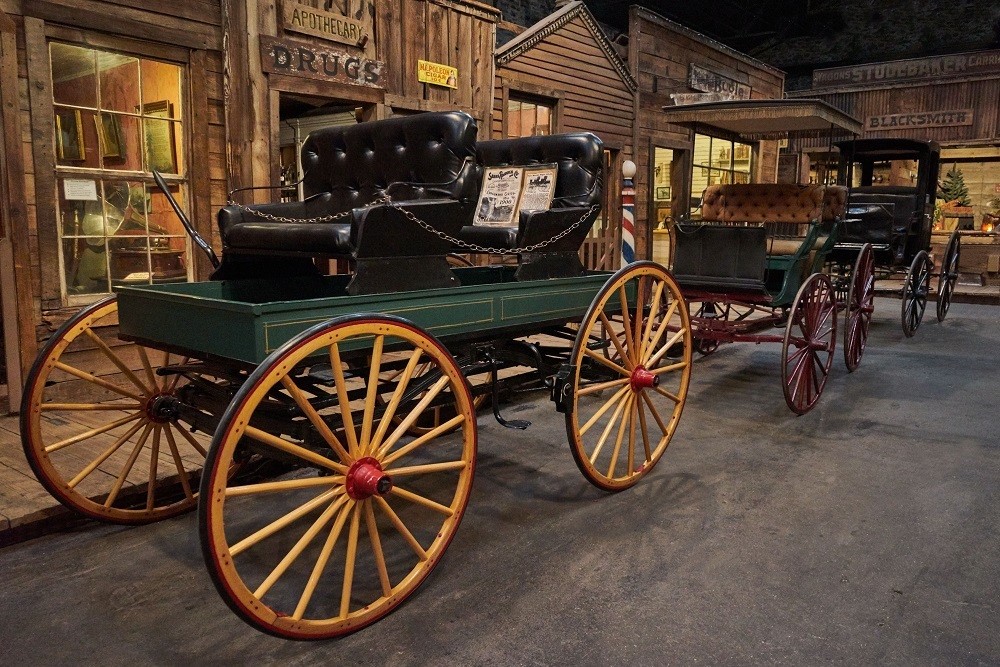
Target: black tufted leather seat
<point>579,186</point>
<point>426,163</point>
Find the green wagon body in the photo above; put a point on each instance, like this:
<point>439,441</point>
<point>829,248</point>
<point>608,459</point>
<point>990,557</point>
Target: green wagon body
<point>244,321</point>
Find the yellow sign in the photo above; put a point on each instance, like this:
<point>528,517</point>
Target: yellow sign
<point>437,74</point>
<point>335,27</point>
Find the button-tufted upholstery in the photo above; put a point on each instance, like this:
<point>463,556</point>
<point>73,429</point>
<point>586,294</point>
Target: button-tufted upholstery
<point>425,163</point>
<point>579,186</point>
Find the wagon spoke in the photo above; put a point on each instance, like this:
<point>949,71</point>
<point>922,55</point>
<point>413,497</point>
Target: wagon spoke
<point>601,386</point>
<point>645,437</point>
<point>667,394</point>
<point>84,375</point>
<point>146,365</point>
<point>655,359</point>
<point>315,419</point>
<point>120,480</point>
<point>417,442</point>
<point>349,561</point>
<point>654,335</point>
<point>606,362</point>
<point>84,407</point>
<point>618,397</point>
<point>401,528</point>
<point>154,455</point>
<point>176,378</point>
<point>415,413</point>
<point>627,322</point>
<point>116,360</point>
<point>299,547</point>
<point>653,411</point>
<point>80,437</point>
<point>342,399</point>
<point>376,542</point>
<point>293,449</point>
<point>398,392</point>
<point>426,468</point>
<point>115,446</point>
<point>284,485</point>
<point>181,472</point>
<point>633,409</point>
<point>668,369</point>
<point>621,435</point>
<point>613,337</point>
<point>420,500</point>
<point>321,561</point>
<point>653,310</point>
<point>611,423</point>
<point>369,414</point>
<point>288,519</point>
<point>191,440</point>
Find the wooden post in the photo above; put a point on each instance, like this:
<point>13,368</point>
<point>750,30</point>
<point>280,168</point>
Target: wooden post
<point>628,213</point>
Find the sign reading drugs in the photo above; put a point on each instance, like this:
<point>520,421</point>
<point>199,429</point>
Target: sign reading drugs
<point>294,58</point>
<point>437,74</point>
<point>319,23</point>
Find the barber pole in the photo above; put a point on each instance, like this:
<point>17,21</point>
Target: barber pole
<point>628,213</point>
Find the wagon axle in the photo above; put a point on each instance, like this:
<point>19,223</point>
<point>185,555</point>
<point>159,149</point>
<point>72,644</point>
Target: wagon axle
<point>643,379</point>
<point>365,479</point>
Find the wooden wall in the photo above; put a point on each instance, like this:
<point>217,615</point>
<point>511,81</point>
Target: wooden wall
<point>660,53</point>
<point>571,67</point>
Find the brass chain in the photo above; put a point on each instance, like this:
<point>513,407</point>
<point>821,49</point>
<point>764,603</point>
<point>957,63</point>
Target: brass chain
<point>409,215</point>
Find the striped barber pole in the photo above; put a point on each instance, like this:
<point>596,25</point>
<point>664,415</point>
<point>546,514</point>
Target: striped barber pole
<point>628,213</point>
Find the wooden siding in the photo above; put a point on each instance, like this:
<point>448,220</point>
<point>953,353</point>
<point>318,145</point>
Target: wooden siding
<point>570,67</point>
<point>660,53</point>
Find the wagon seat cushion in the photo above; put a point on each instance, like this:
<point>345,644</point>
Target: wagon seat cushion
<point>424,162</point>
<point>579,158</point>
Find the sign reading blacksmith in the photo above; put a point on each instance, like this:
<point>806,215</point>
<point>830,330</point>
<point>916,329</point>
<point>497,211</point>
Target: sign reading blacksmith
<point>707,81</point>
<point>906,121</point>
<point>294,58</point>
<point>980,63</point>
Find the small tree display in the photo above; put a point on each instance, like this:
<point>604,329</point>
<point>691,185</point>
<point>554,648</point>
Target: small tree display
<point>953,187</point>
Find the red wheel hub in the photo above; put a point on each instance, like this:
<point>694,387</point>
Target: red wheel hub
<point>365,478</point>
<point>643,379</point>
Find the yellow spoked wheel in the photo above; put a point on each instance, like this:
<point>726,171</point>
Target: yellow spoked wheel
<point>368,508</point>
<point>631,365</point>
<point>432,418</point>
<point>99,426</point>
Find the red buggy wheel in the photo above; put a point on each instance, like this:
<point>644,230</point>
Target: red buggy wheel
<point>809,344</point>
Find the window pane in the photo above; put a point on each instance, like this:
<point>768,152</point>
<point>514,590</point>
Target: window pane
<point>162,219</point>
<point>119,77</point>
<point>119,142</point>
<point>125,206</point>
<point>74,75</point>
<point>722,155</point>
<point>702,149</point>
<point>76,138</point>
<point>513,118</point>
<point>129,260</point>
<point>544,124</point>
<point>161,88</point>
<point>527,119</point>
<point>86,265</point>
<point>81,212</point>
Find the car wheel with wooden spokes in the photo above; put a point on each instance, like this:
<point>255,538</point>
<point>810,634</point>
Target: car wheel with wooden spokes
<point>809,343</point>
<point>858,307</point>
<point>948,276</point>
<point>915,289</point>
<point>367,509</point>
<point>627,399</point>
<point>99,424</point>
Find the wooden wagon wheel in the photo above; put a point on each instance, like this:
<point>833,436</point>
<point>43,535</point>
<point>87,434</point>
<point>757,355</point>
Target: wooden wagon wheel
<point>433,417</point>
<point>915,289</point>
<point>948,276</point>
<point>858,307</point>
<point>641,313</point>
<point>368,511</point>
<point>99,429</point>
<point>809,343</point>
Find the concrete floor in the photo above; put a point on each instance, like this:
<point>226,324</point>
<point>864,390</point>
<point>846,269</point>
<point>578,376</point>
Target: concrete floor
<point>864,532</point>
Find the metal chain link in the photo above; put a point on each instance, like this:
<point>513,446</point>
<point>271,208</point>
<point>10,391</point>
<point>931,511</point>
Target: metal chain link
<point>385,199</point>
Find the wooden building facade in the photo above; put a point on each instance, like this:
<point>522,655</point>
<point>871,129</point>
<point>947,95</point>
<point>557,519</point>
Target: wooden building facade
<point>95,94</point>
<point>563,75</point>
<point>951,99</point>
<point>674,64</point>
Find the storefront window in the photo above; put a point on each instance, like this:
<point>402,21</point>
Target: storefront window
<point>718,161</point>
<point>117,118</point>
<point>528,118</point>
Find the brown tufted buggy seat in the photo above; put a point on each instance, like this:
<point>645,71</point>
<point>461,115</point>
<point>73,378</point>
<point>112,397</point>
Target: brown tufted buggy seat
<point>578,194</point>
<point>426,163</point>
<point>743,225</point>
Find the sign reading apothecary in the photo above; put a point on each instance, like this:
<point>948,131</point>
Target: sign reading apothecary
<point>353,30</point>
<point>295,58</point>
